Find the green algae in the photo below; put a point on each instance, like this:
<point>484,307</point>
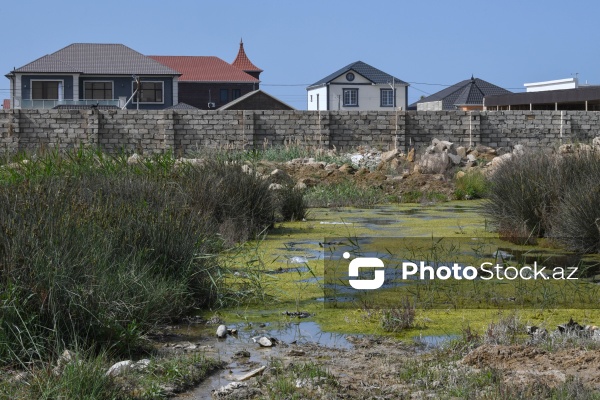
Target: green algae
<point>291,268</point>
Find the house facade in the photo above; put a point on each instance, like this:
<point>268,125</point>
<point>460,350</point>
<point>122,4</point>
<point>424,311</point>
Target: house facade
<point>359,87</point>
<point>84,74</point>
<point>208,82</point>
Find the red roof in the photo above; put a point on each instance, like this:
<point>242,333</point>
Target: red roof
<point>6,104</point>
<point>204,69</point>
<point>243,62</point>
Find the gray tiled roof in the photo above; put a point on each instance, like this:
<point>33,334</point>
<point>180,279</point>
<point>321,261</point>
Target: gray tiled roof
<point>467,92</point>
<point>94,58</point>
<point>182,106</point>
<point>371,73</point>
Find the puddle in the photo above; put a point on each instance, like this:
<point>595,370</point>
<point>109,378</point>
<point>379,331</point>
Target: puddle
<point>434,340</point>
<point>289,334</point>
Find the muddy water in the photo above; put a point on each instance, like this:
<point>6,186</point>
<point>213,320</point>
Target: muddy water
<point>242,354</point>
<point>293,250</point>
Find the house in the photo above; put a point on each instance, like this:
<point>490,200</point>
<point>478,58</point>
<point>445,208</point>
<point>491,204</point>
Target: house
<point>93,74</point>
<point>256,100</point>
<point>561,94</point>
<point>358,86</point>
<point>208,82</point>
<point>466,95</point>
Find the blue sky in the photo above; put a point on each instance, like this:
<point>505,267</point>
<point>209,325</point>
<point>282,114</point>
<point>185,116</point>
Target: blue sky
<point>427,43</point>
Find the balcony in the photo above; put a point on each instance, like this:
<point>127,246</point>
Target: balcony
<point>27,104</point>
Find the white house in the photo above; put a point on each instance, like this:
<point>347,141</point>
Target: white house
<point>358,87</point>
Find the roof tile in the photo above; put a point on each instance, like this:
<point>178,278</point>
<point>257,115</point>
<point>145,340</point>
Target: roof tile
<point>204,69</point>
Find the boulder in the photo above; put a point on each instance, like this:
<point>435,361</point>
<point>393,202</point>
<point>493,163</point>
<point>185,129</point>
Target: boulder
<point>518,150</point>
<point>434,163</point>
<point>455,158</point>
<point>497,161</point>
<point>461,152</point>
<point>410,157</point>
<point>389,155</point>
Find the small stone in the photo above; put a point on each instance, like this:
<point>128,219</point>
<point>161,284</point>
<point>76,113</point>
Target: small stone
<point>118,368</point>
<point>221,331</point>
<point>264,342</point>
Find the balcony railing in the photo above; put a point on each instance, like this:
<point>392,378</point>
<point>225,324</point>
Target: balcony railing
<point>54,103</point>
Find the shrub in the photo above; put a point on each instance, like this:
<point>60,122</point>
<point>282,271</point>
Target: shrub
<point>472,185</point>
<point>523,192</point>
<point>96,252</point>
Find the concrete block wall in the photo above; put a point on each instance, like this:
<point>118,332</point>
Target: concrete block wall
<point>188,131</point>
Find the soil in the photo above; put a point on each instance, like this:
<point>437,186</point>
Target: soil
<point>392,181</point>
<point>528,365</point>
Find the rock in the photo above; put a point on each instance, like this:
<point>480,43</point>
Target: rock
<point>461,152</point>
<point>232,331</point>
<point>263,341</point>
<point>251,374</point>
<point>65,358</point>
<point>140,365</point>
<point>119,368</point>
<point>443,145</point>
<point>410,157</point>
<point>434,163</point>
<point>356,159</point>
<point>481,149</point>
<point>221,331</point>
<point>194,162</point>
<point>347,169</point>
<point>228,389</point>
<point>389,155</point>
<point>497,161</point>
<point>242,354</point>
<point>455,158</point>
<point>247,169</point>
<point>280,176</point>
<point>275,186</point>
<point>566,148</point>
<point>518,150</point>
<point>460,174</point>
<point>296,353</point>
<point>134,159</point>
<point>596,143</point>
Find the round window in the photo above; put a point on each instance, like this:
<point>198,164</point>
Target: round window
<point>350,76</point>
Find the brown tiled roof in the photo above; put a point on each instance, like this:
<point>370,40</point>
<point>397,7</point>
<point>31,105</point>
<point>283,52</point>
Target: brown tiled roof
<point>94,58</point>
<point>243,62</point>
<point>204,69</point>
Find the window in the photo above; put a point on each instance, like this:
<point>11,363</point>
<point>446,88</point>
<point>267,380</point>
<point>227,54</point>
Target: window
<point>350,97</point>
<point>224,96</point>
<point>46,90</point>
<point>235,93</point>
<point>150,92</point>
<point>98,90</point>
<point>387,98</point>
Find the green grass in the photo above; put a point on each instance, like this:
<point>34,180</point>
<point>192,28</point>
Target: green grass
<point>344,194</point>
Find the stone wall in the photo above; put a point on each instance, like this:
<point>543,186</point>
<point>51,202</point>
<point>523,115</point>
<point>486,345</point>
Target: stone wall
<point>186,131</point>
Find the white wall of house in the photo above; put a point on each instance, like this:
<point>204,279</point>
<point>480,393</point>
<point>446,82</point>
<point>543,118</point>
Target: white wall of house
<point>569,83</point>
<point>430,106</point>
<point>369,95</point>
<point>317,99</point>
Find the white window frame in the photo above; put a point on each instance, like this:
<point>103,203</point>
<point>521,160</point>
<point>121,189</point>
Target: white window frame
<point>112,88</point>
<point>387,97</point>
<point>149,102</point>
<point>349,103</point>
<point>61,88</point>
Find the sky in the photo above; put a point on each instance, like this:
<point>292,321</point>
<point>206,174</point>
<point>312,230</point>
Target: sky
<point>430,44</point>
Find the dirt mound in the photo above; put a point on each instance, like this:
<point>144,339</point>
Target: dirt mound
<point>528,365</point>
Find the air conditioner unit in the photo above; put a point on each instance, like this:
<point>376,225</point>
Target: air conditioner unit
<point>211,105</point>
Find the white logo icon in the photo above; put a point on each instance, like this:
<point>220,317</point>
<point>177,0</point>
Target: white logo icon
<point>365,262</point>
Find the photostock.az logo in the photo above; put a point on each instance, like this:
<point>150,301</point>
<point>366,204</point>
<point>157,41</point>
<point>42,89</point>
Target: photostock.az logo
<point>365,262</point>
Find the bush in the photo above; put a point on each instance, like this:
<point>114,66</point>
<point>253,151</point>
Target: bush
<point>523,192</point>
<point>538,195</point>
<point>96,252</point>
<point>472,185</point>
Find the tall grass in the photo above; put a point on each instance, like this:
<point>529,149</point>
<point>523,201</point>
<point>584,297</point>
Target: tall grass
<point>95,252</point>
<point>540,194</point>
